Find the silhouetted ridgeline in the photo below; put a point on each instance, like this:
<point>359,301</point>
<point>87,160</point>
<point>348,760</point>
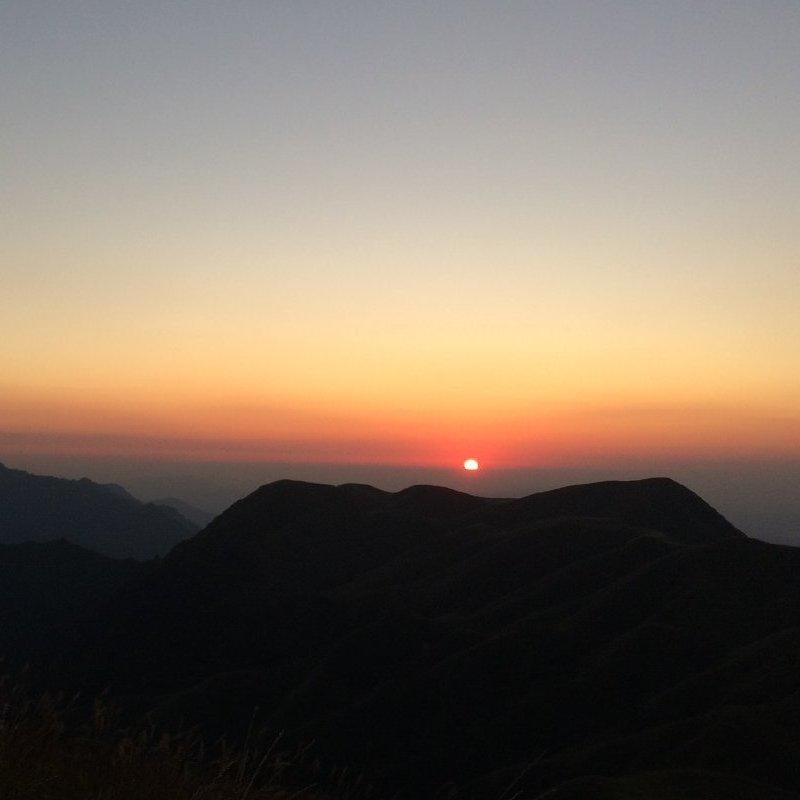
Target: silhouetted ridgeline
<point>199,516</point>
<point>614,640</point>
<point>102,517</point>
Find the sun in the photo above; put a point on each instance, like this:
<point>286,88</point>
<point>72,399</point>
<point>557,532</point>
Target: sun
<point>471,464</point>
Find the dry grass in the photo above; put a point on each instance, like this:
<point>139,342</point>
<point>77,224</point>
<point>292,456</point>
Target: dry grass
<point>52,750</point>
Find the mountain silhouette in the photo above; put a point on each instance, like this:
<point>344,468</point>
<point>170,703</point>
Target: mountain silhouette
<point>52,592</point>
<point>657,503</point>
<point>612,640</point>
<point>101,517</point>
<point>199,516</point>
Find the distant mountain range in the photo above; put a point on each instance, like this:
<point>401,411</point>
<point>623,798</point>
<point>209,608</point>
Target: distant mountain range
<point>199,516</point>
<point>613,641</point>
<point>101,517</point>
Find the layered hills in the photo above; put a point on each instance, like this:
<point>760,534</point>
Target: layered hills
<point>613,640</point>
<point>100,517</point>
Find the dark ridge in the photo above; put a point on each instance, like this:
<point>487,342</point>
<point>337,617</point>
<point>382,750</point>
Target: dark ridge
<point>198,516</point>
<point>658,503</point>
<point>57,551</point>
<point>101,517</point>
<point>612,640</point>
<point>51,596</point>
<point>437,502</point>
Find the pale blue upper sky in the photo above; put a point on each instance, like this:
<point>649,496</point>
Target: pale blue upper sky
<point>426,122</point>
<point>490,208</point>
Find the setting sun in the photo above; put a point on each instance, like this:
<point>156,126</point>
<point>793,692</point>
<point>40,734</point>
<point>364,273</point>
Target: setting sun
<point>471,464</point>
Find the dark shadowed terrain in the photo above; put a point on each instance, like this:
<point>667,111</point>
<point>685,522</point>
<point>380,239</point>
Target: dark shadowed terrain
<point>614,640</point>
<point>102,517</point>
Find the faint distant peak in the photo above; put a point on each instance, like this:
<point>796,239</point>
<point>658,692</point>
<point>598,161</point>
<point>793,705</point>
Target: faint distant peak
<point>199,516</point>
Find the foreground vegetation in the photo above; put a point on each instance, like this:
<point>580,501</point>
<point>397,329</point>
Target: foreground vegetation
<point>52,748</point>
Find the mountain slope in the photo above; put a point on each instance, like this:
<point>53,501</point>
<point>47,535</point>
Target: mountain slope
<point>101,517</point>
<point>657,503</point>
<point>51,593</point>
<point>597,641</point>
<point>199,516</point>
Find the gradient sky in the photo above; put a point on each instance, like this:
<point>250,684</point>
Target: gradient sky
<point>540,233</point>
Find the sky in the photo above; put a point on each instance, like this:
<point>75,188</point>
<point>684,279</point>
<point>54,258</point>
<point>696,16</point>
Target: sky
<point>547,235</point>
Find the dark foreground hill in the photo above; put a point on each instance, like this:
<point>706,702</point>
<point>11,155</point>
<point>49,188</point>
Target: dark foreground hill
<point>102,517</point>
<point>616,640</point>
<point>52,593</point>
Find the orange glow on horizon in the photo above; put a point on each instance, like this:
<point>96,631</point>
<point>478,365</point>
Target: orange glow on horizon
<point>446,258</point>
<point>545,436</point>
